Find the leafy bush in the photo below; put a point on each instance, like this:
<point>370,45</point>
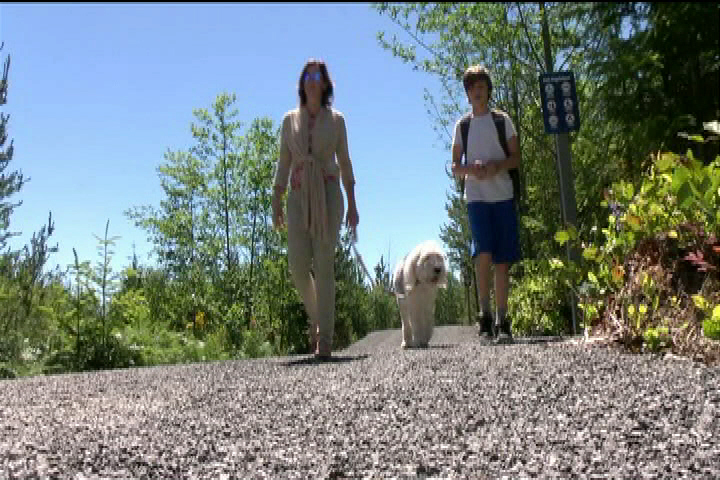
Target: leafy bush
<point>711,324</point>
<point>163,347</point>
<point>7,372</point>
<point>130,308</point>
<point>537,305</point>
<point>657,273</point>
<point>95,352</point>
<point>255,345</point>
<point>657,339</point>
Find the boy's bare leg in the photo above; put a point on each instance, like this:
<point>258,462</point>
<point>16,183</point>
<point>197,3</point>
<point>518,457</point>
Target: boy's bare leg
<point>482,277</point>
<point>502,285</point>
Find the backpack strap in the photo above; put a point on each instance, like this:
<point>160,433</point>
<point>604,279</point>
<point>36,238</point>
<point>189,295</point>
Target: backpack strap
<point>499,121</point>
<point>464,129</point>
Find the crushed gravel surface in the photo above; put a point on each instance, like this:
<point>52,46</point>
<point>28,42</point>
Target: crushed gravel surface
<point>462,408</point>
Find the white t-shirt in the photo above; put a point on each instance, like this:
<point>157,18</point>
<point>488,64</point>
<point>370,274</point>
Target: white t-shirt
<point>484,147</point>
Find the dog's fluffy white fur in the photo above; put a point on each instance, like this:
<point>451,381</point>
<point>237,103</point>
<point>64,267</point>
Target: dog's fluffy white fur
<point>416,280</point>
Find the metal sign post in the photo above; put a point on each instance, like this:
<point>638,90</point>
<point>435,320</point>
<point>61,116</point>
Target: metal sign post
<point>562,115</point>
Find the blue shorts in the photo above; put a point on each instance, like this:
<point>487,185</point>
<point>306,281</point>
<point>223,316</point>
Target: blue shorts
<point>494,230</point>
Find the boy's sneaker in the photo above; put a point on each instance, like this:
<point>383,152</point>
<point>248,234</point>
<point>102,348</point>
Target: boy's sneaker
<point>504,333</point>
<point>486,329</point>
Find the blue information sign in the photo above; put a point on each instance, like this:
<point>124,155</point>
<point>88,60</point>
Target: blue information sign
<point>559,101</point>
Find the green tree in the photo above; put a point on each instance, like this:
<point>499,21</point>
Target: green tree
<point>82,301</point>
<point>105,280</point>
<point>178,229</point>
<point>659,73</point>
<point>23,279</point>
<point>22,288</point>
<point>260,152</point>
<point>183,238</point>
<point>384,312</point>
<point>212,230</point>
<point>10,182</point>
<point>449,304</point>
<point>218,144</point>
<point>457,239</point>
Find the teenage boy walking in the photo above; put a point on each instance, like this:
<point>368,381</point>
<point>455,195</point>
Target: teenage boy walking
<point>489,195</point>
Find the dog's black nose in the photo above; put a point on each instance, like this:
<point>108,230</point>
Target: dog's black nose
<point>438,270</point>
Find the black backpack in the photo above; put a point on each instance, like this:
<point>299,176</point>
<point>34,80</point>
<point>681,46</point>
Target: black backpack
<point>499,121</point>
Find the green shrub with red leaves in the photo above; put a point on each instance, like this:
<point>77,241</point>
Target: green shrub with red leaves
<point>653,284</point>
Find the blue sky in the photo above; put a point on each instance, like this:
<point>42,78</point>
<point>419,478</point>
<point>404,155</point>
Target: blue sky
<point>99,92</point>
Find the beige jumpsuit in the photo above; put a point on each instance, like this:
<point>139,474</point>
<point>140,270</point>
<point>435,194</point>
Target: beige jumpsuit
<point>315,209</point>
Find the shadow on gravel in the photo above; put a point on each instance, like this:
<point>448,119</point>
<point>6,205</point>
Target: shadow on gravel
<point>311,360</point>
<point>537,340</point>
<point>433,346</point>
<point>526,341</point>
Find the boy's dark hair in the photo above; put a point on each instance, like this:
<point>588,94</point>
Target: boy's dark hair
<point>475,73</point>
<point>327,94</point>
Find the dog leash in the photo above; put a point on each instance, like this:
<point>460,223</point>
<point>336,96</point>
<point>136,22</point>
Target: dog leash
<point>358,257</point>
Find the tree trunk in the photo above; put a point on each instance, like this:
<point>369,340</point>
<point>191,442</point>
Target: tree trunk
<point>248,291</point>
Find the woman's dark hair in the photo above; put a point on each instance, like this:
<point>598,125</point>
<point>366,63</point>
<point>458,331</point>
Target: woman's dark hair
<point>327,94</point>
<point>475,73</point>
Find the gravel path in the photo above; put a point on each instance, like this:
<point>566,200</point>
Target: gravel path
<point>459,409</point>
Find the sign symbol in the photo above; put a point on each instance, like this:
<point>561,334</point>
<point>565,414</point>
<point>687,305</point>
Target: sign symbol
<point>550,90</point>
<point>565,88</point>
<point>551,105</point>
<point>568,104</point>
<point>553,119</point>
<point>570,119</point>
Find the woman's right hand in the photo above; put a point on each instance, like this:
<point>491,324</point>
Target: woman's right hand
<point>278,217</point>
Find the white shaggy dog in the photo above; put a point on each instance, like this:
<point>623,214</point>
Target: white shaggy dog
<point>416,280</point>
